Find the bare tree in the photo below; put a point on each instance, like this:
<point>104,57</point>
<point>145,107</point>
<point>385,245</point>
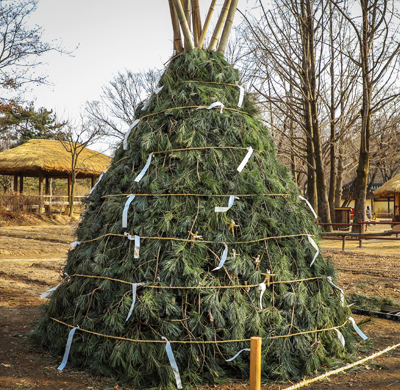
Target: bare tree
<point>21,47</point>
<point>378,37</point>
<point>75,138</point>
<point>287,40</point>
<point>120,99</point>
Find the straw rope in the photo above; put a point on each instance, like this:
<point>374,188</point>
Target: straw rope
<point>192,108</point>
<point>211,82</point>
<point>240,195</point>
<point>193,287</point>
<point>337,371</point>
<point>196,341</point>
<point>200,241</point>
<point>203,148</point>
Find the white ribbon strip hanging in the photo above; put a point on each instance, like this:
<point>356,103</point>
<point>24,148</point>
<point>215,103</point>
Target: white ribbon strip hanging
<point>133,125</point>
<point>329,278</point>
<point>67,348</point>
<point>233,358</point>
<point>262,287</point>
<point>246,158</point>
<point>357,329</point>
<point>241,96</point>
<point>216,104</point>
<point>97,182</point>
<point>312,242</point>
<point>223,258</point>
<point>146,104</point>
<point>340,337</point>
<point>144,170</point>
<point>137,247</point>
<point>49,292</point>
<point>309,205</point>
<point>173,364</point>
<point>134,288</point>
<point>230,204</point>
<point>137,244</point>
<point>158,90</point>
<point>74,244</point>
<point>125,211</point>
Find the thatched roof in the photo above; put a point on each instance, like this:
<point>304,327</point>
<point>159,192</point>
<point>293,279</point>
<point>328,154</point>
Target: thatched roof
<point>390,187</point>
<point>50,158</point>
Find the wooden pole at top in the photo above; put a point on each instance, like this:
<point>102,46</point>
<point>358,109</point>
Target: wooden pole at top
<point>206,24</point>
<point>228,25</point>
<point>175,26</point>
<point>219,26</point>
<point>184,25</point>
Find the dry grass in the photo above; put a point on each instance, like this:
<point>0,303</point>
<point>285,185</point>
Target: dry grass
<point>50,156</point>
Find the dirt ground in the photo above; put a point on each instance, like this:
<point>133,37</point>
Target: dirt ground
<point>32,258</point>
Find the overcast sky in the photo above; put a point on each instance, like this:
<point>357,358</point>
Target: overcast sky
<point>111,36</point>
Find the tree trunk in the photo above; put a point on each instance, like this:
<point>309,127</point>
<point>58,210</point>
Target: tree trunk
<point>339,176</point>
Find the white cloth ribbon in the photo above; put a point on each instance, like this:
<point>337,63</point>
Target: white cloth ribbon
<point>67,348</point>
<point>223,258</point>
<point>357,329</point>
<point>137,247</point>
<point>230,204</point>
<point>74,244</point>
<point>146,104</point>
<point>134,288</point>
<point>97,182</point>
<point>137,244</point>
<point>125,211</point>
<point>241,96</point>
<point>329,278</point>
<point>144,170</point>
<point>216,104</point>
<point>133,125</point>
<point>312,242</point>
<point>173,364</point>
<point>340,337</point>
<point>246,158</point>
<point>309,205</point>
<point>233,358</point>
<point>49,292</point>
<point>158,90</point>
<point>262,287</point>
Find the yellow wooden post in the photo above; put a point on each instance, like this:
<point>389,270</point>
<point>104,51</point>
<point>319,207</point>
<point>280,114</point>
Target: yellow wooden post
<point>255,363</point>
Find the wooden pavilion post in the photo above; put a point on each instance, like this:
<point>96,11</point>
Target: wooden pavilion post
<point>15,188</point>
<point>40,192</point>
<point>69,192</point>
<point>21,184</point>
<point>47,207</point>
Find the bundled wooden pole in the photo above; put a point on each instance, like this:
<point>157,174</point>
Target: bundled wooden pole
<point>175,25</point>
<point>220,24</point>
<point>186,6</point>
<point>184,25</point>
<point>228,25</point>
<point>206,24</point>
<point>196,21</point>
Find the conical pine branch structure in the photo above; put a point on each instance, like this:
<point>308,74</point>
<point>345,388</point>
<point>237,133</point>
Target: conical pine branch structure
<point>209,211</point>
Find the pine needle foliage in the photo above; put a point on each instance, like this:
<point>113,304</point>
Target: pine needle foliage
<point>211,314</point>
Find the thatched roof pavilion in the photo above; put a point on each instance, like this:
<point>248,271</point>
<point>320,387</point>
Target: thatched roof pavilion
<point>392,188</point>
<point>47,159</point>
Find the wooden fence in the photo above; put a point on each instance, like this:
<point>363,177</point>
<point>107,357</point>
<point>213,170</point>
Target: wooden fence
<point>362,234</point>
<point>16,202</point>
